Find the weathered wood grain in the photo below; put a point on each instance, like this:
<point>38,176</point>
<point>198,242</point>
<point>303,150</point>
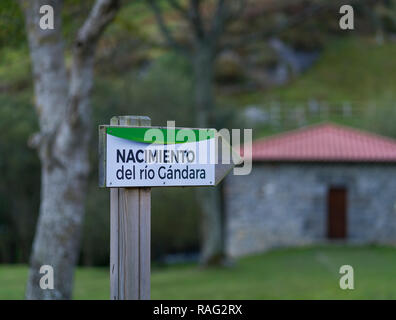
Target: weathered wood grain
<point>102,156</point>
<point>114,271</point>
<point>128,237</point>
<point>130,234</point>
<point>145,242</point>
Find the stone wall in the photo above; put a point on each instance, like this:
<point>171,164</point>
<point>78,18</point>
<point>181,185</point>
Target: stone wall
<point>285,204</point>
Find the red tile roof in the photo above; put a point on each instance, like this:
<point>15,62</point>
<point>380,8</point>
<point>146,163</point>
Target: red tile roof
<point>325,142</point>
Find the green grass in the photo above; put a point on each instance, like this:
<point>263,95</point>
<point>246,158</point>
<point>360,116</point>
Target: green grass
<point>305,273</point>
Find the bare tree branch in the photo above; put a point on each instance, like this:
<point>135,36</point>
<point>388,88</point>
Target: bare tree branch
<point>300,18</point>
<point>218,20</point>
<point>102,13</point>
<point>177,6</point>
<point>195,19</point>
<point>279,28</point>
<point>225,11</point>
<point>224,14</point>
<point>164,28</point>
<point>238,11</point>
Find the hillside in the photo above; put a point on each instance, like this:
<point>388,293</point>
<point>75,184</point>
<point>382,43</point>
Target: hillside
<point>351,83</point>
<point>352,69</point>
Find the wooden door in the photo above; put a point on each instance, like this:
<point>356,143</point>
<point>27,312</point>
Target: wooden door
<point>337,213</point>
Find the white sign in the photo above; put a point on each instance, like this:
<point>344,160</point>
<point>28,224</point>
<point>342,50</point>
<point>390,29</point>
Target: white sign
<point>156,157</point>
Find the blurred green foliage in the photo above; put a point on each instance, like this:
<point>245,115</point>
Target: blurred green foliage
<point>135,76</point>
<point>163,96</point>
<point>20,177</point>
<point>150,89</point>
<point>12,28</point>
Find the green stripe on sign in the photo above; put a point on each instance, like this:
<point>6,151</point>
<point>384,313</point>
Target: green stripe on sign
<point>161,135</point>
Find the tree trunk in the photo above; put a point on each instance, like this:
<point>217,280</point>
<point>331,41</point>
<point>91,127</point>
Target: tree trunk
<point>65,169</point>
<point>59,226</point>
<point>64,111</point>
<point>203,86</point>
<point>206,42</point>
<point>212,248</point>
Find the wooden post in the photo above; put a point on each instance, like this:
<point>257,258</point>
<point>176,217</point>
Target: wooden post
<point>130,206</point>
<point>130,210</point>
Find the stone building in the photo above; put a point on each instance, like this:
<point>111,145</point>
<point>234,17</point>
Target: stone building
<point>317,184</point>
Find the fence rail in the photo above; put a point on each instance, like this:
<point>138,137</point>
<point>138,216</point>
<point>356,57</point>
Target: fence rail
<point>284,115</point>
